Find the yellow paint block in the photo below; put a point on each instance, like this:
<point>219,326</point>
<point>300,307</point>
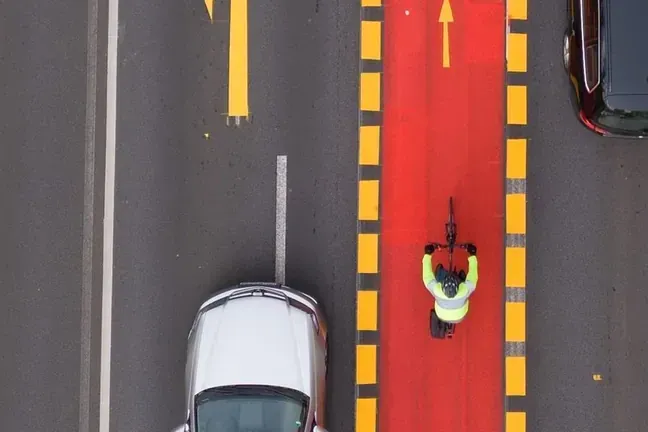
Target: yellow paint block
<point>515,321</point>
<point>367,314</point>
<point>238,60</point>
<point>370,91</point>
<point>517,9</point>
<point>516,158</point>
<point>366,364</point>
<point>367,253</point>
<point>516,267</point>
<point>370,38</point>
<point>368,197</point>
<point>515,421</point>
<point>516,104</point>
<point>516,213</point>
<point>515,376</point>
<point>369,153</point>
<point>517,52</point>
<point>366,409</point>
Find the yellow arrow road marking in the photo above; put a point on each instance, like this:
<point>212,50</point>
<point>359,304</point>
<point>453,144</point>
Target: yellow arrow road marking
<point>238,60</point>
<point>210,9</point>
<point>445,17</point>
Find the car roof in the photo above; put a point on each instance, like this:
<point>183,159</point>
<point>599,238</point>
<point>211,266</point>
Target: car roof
<point>626,25</point>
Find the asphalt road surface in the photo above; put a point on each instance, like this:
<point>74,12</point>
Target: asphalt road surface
<point>42,177</point>
<point>195,214</point>
<point>587,258</point>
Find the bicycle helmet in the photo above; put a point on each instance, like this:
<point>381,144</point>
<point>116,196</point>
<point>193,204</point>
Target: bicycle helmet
<point>450,285</point>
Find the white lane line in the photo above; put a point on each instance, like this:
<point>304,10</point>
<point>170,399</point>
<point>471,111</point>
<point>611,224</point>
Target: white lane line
<point>88,218</point>
<point>280,239</point>
<point>109,214</point>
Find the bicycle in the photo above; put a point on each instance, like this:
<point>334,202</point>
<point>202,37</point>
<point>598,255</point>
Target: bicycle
<point>438,328</point>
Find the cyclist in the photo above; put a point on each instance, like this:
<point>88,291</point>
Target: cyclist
<point>450,290</point>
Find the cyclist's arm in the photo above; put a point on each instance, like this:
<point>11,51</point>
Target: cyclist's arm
<point>429,280</point>
<point>473,274</point>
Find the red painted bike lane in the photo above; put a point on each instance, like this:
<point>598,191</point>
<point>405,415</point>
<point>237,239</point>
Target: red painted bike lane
<point>443,136</point>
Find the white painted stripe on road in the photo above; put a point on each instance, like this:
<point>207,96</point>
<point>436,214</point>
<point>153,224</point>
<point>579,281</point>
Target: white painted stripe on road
<point>109,213</point>
<point>88,218</point>
<point>280,239</point>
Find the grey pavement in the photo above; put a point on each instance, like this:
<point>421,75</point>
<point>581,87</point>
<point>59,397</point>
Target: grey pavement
<point>587,257</point>
<point>194,215</point>
<point>42,136</point>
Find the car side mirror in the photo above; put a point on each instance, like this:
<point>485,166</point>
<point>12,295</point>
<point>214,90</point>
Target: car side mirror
<point>319,429</point>
<point>182,428</point>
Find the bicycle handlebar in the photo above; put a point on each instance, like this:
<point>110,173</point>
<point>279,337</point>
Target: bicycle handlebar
<point>457,245</point>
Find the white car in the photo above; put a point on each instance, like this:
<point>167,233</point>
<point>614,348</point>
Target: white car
<point>256,362</point>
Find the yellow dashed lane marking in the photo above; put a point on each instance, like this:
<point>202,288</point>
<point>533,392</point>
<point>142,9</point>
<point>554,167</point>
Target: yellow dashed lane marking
<point>366,364</point>
<point>368,196</point>
<point>517,52</point>
<point>366,415</point>
<point>369,145</point>
<point>516,104</point>
<point>367,310</point>
<point>515,376</point>
<point>515,267</point>
<point>517,9</point>
<point>372,3</point>
<point>516,214</point>
<point>367,253</point>
<point>370,91</point>
<point>515,422</point>
<point>516,157</point>
<point>515,322</point>
<point>371,43</point>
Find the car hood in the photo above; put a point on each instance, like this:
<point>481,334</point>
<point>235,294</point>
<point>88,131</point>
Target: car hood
<point>254,340</point>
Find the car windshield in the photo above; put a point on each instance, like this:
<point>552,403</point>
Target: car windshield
<point>251,409</point>
<point>631,121</point>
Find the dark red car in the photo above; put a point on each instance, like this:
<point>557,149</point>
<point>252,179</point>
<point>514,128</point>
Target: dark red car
<point>605,52</point>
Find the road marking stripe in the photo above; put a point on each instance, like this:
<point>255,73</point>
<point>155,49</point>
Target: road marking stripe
<point>368,277</point>
<point>366,414</point>
<point>368,197</point>
<point>87,258</point>
<point>280,219</point>
<point>516,421</point>
<point>515,322</point>
<point>370,91</point>
<point>366,364</point>
<point>367,253</point>
<point>516,267</point>
<point>238,60</point>
<point>517,9</point>
<point>209,4</point>
<point>516,156</point>
<point>108,216</point>
<point>516,213</point>
<point>515,376</point>
<point>369,145</point>
<point>517,52</point>
<point>516,112</point>
<point>367,314</point>
<point>370,38</point>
